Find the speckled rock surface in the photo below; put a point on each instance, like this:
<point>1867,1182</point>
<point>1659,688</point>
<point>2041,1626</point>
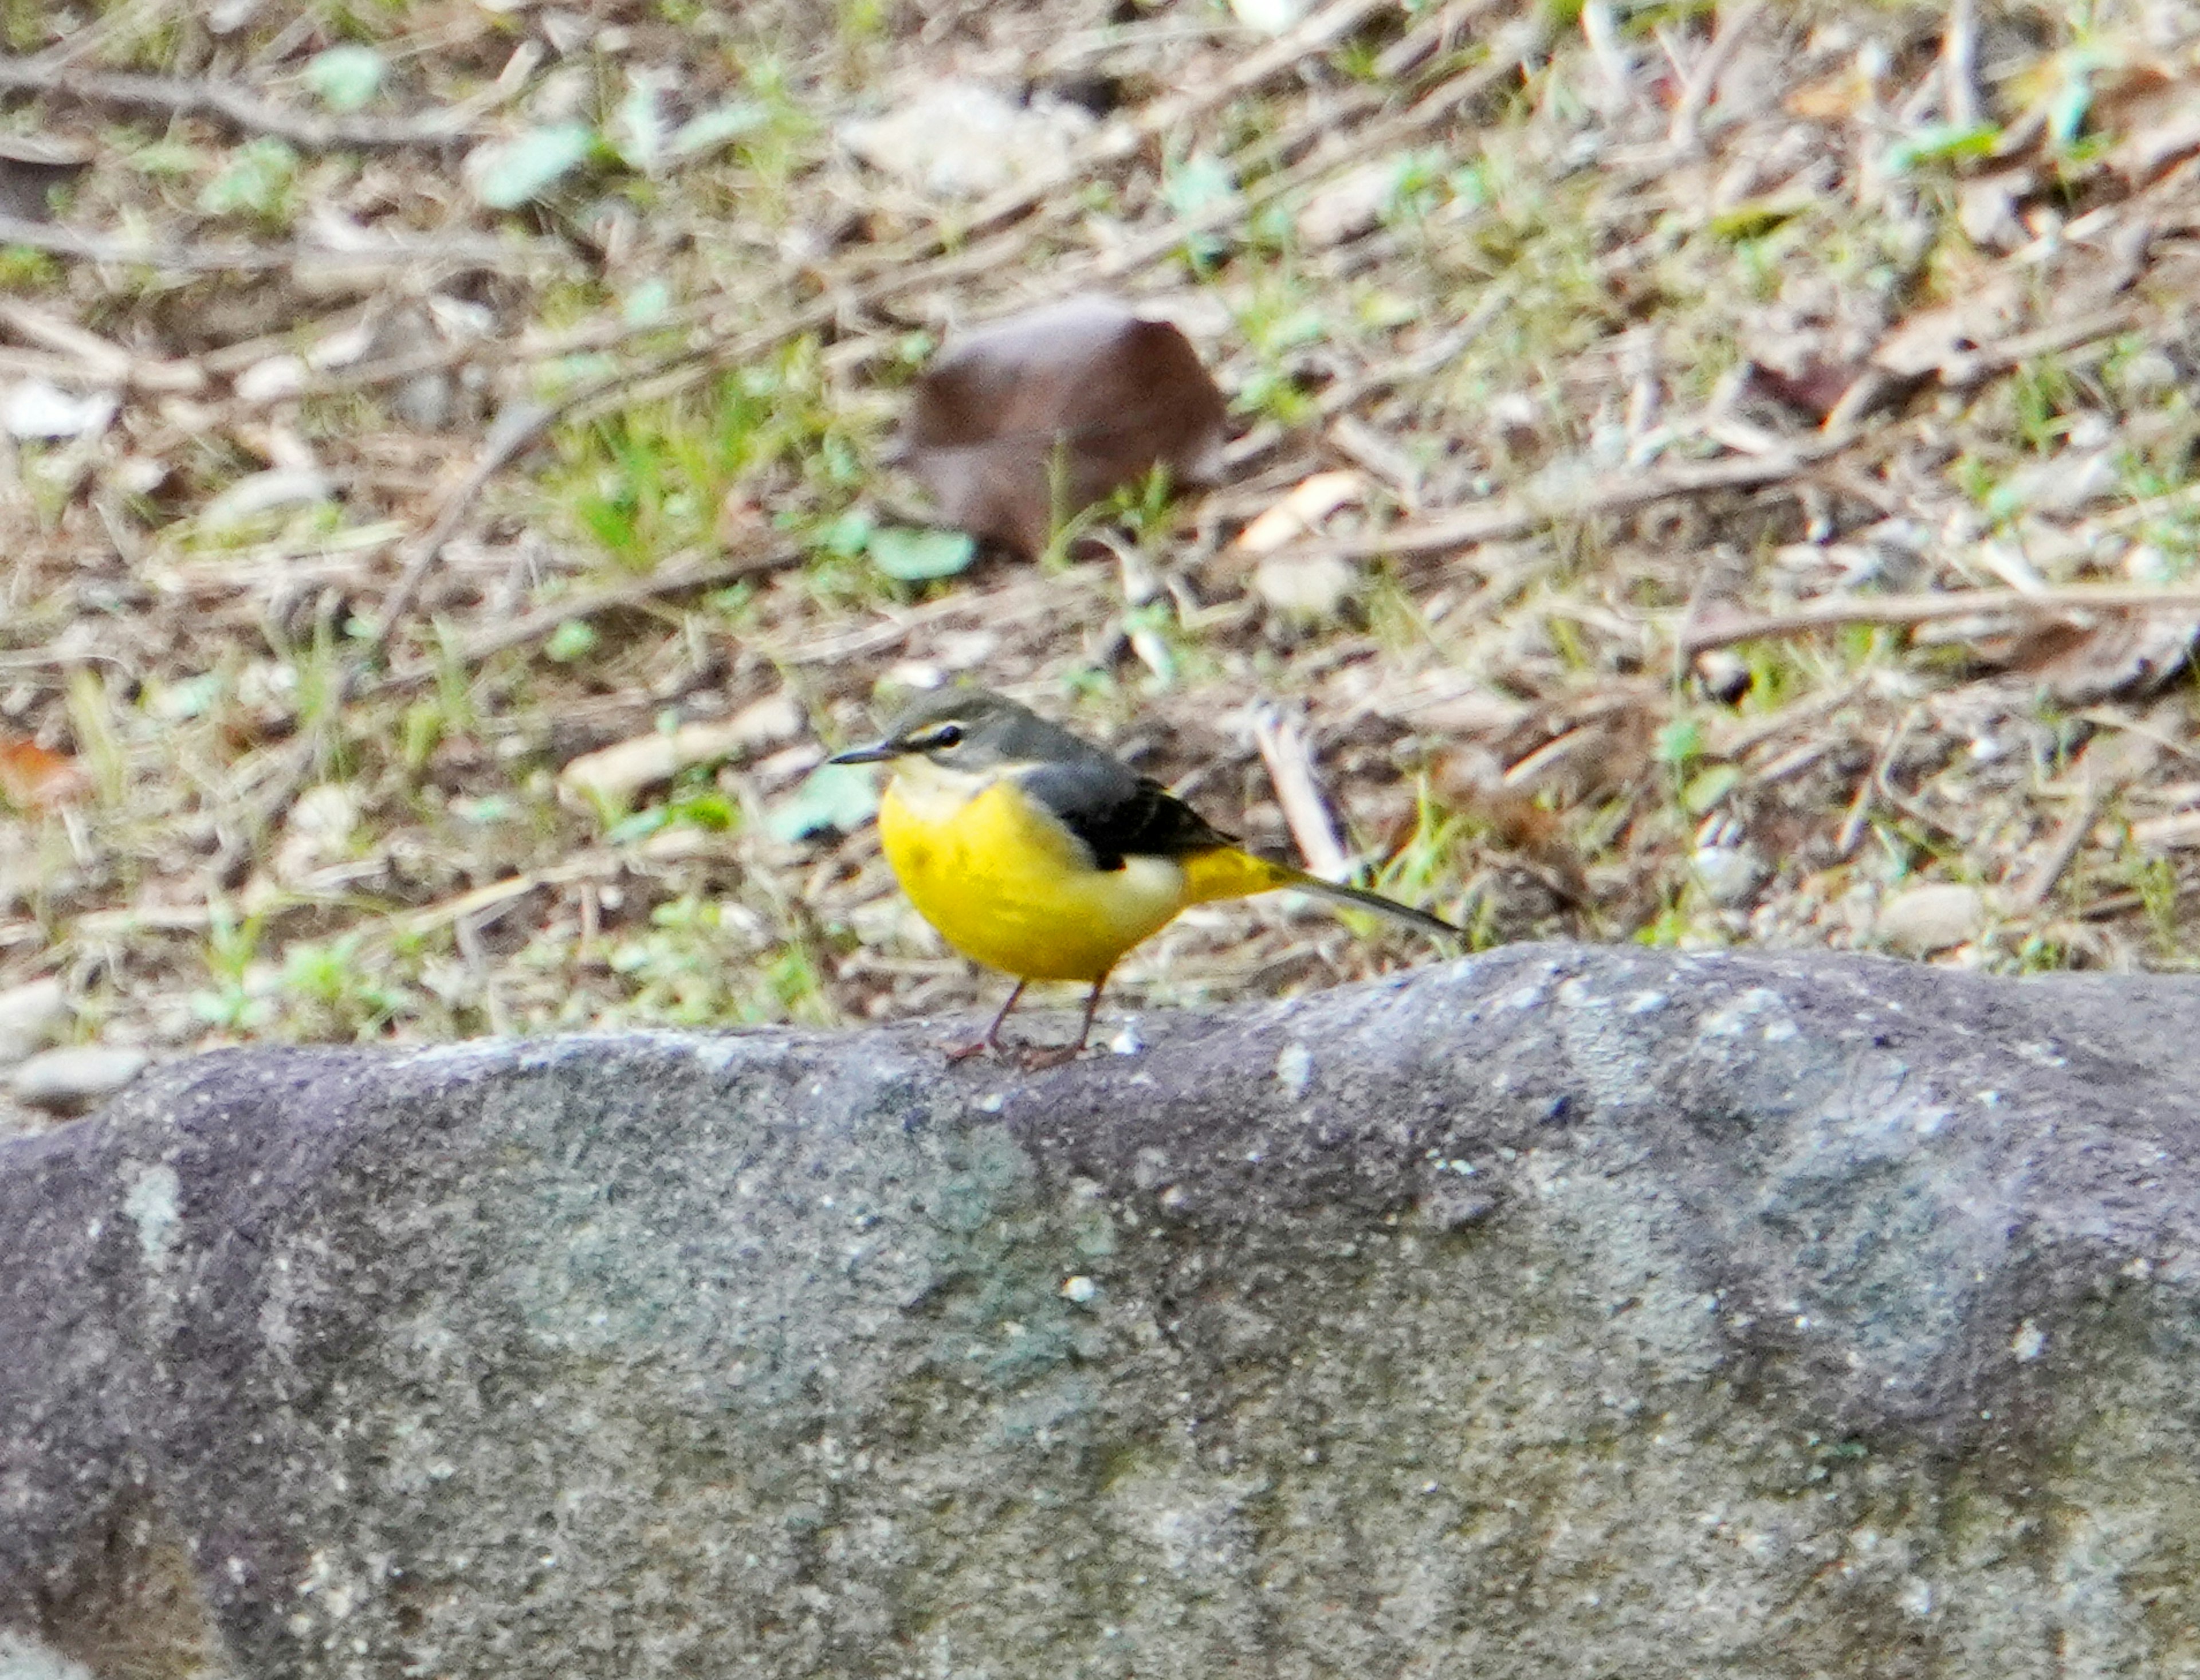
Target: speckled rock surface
<point>1564,1312</point>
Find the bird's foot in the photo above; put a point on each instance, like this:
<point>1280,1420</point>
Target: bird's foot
<point>959,1053</point>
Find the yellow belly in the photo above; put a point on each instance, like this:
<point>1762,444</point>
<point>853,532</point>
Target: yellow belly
<point>1007,885</point>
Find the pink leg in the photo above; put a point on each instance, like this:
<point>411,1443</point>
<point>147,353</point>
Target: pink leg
<point>992,1039</point>
<point>1057,1057</point>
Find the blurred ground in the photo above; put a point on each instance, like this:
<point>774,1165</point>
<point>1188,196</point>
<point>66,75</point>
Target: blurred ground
<point>403,405</point>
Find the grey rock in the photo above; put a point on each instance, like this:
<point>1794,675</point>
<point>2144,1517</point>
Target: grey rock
<point>1561,1312</point>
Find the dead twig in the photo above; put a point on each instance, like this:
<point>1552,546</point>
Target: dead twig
<point>673,578</point>
<point>384,251</point>
<point>1282,744</point>
<point>1503,519</point>
<point>1703,78</point>
<point>514,433</point>
<point>236,108</point>
<point>2110,763</point>
<point>1873,785</point>
<point>97,359</point>
<point>1722,631</point>
<point>1959,94</point>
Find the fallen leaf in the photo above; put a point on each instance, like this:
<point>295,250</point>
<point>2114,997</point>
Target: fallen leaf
<point>1987,207</point>
<point>1269,17</point>
<point>1020,423</point>
<point>2125,654</point>
<point>1943,340</point>
<point>345,77</point>
<point>317,831</point>
<point>1836,99</point>
<point>75,1077</point>
<point>259,493</point>
<point>840,797</point>
<point>2155,111</point>
<point>1299,513</point>
<point>507,174</point>
<point>32,778</point>
<point>919,556</point>
<point>614,775</point>
<point>2167,833</point>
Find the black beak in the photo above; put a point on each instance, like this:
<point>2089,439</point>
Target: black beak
<point>877,753</point>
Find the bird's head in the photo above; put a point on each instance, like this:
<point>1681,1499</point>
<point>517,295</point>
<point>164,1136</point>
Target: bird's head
<point>959,729</point>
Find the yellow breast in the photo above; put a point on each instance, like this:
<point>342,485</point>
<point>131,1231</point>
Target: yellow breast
<point>1006,883</point>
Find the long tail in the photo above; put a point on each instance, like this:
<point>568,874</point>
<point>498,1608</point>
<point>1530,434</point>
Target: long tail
<point>1229,872</point>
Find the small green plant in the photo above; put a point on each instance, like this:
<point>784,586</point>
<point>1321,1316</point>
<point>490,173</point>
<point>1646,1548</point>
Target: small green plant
<point>333,993</point>
<point>698,964</point>
<point>650,481</point>
<point>231,1003</point>
<point>23,270</point>
<point>2155,881</point>
<point>1424,869</point>
<point>257,183</point>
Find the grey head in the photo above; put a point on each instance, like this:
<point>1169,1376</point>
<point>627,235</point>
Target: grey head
<point>966,727</point>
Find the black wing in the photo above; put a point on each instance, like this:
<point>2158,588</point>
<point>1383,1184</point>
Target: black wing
<point>1119,814</point>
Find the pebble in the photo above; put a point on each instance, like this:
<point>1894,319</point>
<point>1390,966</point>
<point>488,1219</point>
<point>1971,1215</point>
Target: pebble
<point>35,409</point>
<point>1350,206</point>
<point>72,1079</point>
<point>29,1016</point>
<point>1309,588</point>
<point>1932,917</point>
<point>964,139</point>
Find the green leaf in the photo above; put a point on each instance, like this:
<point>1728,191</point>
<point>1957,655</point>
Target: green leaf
<point>575,639</point>
<point>639,827</point>
<point>167,159</point>
<point>1750,219</point>
<point>1707,787</point>
<point>507,174</point>
<point>713,812</point>
<point>833,796</point>
<point>918,556</point>
<point>648,303</point>
<point>1680,742</point>
<point>848,534</point>
<point>2066,113</point>
<point>256,182</point>
<point>487,808</point>
<point>1942,142</point>
<point>638,129</point>
<point>708,130</point>
<point>1197,183</point>
<point>345,77</point>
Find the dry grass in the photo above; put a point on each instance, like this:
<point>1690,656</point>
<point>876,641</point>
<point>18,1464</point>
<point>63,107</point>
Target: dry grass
<point>1625,323</point>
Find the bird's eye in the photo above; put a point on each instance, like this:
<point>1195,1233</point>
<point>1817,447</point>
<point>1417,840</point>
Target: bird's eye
<point>947,734</point>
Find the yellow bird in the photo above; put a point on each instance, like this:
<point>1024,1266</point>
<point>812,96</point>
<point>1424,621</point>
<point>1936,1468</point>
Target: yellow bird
<point>1035,852</point>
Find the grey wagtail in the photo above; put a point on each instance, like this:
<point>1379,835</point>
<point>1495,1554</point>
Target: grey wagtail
<point>1033,851</point>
